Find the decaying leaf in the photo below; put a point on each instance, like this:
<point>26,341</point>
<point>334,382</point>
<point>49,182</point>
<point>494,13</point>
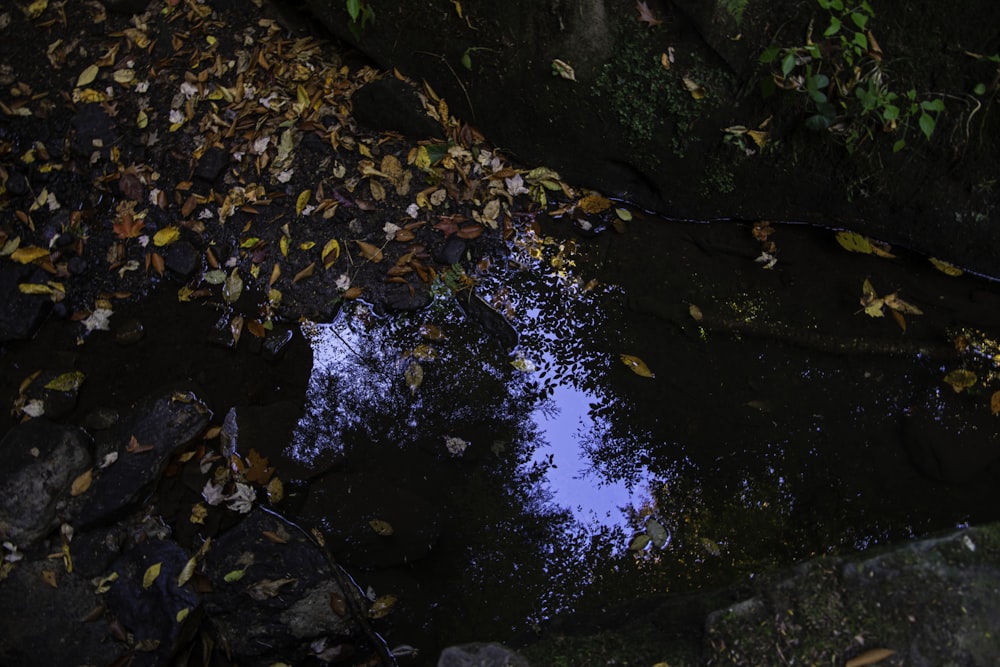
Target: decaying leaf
<point>338,605</point>
<point>961,379</point>
<point>645,14</point>
<point>152,572</point>
<point>946,268</point>
<point>855,242</point>
<point>82,483</point>
<point>268,588</point>
<point>370,252</point>
<point>696,89</point>
<point>637,365</point>
<point>187,572</point>
<point>381,527</point>
<point>594,204</point>
<point>258,468</point>
<point>382,606</point>
<point>563,69</point>
<point>869,657</point>
<point>304,273</point>
<point>49,577</point>
<point>330,254</point>
<point>995,403</point>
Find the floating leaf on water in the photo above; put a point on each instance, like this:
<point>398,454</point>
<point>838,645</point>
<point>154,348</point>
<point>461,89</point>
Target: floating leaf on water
<point>152,572</point>
<point>637,365</point>
<point>869,657</point>
<point>946,268</point>
<point>658,535</point>
<point>960,379</point>
<point>638,542</point>
<point>893,301</point>
<point>268,588</point>
<point>414,375</point>
<point>66,382</point>
<point>594,203</point>
<point>381,527</point>
<point>259,469</point>
<point>382,606</point>
<point>710,546</point>
<point>232,288</point>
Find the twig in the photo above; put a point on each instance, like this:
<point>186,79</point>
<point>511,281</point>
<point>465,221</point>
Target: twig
<point>454,74</point>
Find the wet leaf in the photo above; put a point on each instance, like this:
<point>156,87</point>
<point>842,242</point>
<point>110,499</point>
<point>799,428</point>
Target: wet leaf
<point>87,76</point>
<point>338,605</point>
<point>152,572</point>
<point>81,483</point>
<point>995,403</point>
<point>166,236</point>
<point>960,379</point>
<point>893,301</point>
<point>304,273</point>
<point>232,288</point>
<point>330,254</point>
<point>710,546</point>
<point>563,69</point>
<point>29,254</point>
<point>268,588</point>
<point>695,88</point>
<point>234,575</point>
<point>302,201</point>
<point>49,577</point>
<point>638,542</point>
<point>637,365</point>
<point>946,268</point>
<point>382,606</point>
<point>594,204</point>
<point>370,252</point>
<point>275,490</point>
<point>182,614</point>
<point>623,214</point>
<point>855,242</point>
<point>66,382</point>
<point>187,572</point>
<point>869,657</point>
<point>414,375</point>
<point>657,533</point>
<point>258,469</point>
<point>381,527</point>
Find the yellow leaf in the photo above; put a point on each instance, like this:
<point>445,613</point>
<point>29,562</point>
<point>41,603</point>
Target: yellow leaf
<point>187,572</point>
<point>370,252</point>
<point>182,614</point>
<point>152,572</point>
<point>695,88</point>
<point>594,203</point>
<point>695,312</point>
<point>382,606</point>
<point>623,214</point>
<point>331,251</point>
<point>70,381</point>
<point>35,9</point>
<point>29,254</point>
<point>87,75</point>
<point>283,246</point>
<point>81,483</point>
<point>166,236</point>
<point>665,60</point>
<point>960,378</point>
<point>302,201</point>
<point>854,242</point>
<point>123,75</point>
<point>382,527</point>
<point>637,365</point>
<point>142,120</point>
<point>304,273</point>
<point>897,304</point>
<point>307,245</point>
<point>870,657</point>
<point>423,159</point>
<point>759,137</point>
<point>946,268</point>
<point>995,403</point>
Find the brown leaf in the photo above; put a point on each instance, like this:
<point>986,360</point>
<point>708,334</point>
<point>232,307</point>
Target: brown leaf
<point>304,273</point>
<point>338,604</point>
<point>133,446</point>
<point>49,577</point>
<point>469,232</point>
<point>370,252</point>
<point>259,471</point>
<point>995,403</point>
<point>646,15</point>
<point>869,657</point>
<point>81,483</point>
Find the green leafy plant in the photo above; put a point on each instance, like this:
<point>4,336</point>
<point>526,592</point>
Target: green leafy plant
<point>361,14</point>
<point>846,81</point>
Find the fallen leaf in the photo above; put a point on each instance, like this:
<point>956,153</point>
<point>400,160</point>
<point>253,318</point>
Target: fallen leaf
<point>233,576</point>
<point>304,273</point>
<point>995,403</point>
<point>187,572</point>
<point>414,375</point>
<point>960,379</point>
<point>87,76</point>
<point>946,268</point>
<point>646,15</point>
<point>382,606</point>
<point>166,236</point>
<point>258,470</point>
<point>29,254</point>
<point>638,542</point>
<point>330,254</point>
<point>696,89</point>
<point>637,365</point>
<point>81,483</point>
<point>855,242</point>
<point>302,201</point>
<point>370,252</point>
<point>66,382</point>
<point>897,304</point>
<point>49,577</point>
<point>382,527</point>
<point>338,605</point>
<point>594,203</point>
<point>268,588</point>
<point>563,69</point>
<point>695,312</point>
<point>869,657</point>
<point>152,572</point>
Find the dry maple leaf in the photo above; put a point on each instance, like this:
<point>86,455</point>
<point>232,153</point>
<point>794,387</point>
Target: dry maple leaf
<point>646,14</point>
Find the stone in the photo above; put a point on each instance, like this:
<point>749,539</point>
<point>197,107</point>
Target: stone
<point>211,164</point>
<point>480,655</point>
<point>182,258</point>
<point>41,460</point>
<point>21,314</point>
<point>391,105</point>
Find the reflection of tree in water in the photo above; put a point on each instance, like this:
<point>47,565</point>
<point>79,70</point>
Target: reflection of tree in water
<point>507,554</point>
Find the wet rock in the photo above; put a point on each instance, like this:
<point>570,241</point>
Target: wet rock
<point>100,419</point>
<point>140,446</point>
<point>21,314</point>
<point>95,130</point>
<point>45,625</point>
<point>285,599</point>
<point>451,251</point>
<point>211,164</point>
<point>129,331</point>
<point>949,437</point>
<point>149,612</point>
<point>408,297</point>
<point>181,258</point>
<point>221,333</point>
<point>480,655</point>
<point>391,105</point>
<point>495,324</point>
<point>40,461</point>
<point>345,504</point>
<point>275,342</point>
<point>95,551</point>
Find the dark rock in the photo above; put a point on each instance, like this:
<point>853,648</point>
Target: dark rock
<point>94,551</point>
<point>276,341</point>
<point>129,331</point>
<point>282,602</point>
<point>22,313</point>
<point>100,419</point>
<point>480,655</point>
<point>43,625</point>
<point>221,334</point>
<point>344,504</point>
<point>211,164</point>
<point>53,393</point>
<point>408,297</point>
<point>17,184</point>
<point>167,423</point>
<point>451,251</point>
<point>77,265</point>
<point>949,436</point>
<point>40,461</point>
<point>391,105</point>
<point>182,258</point>
<point>150,612</point>
<point>95,130</point>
